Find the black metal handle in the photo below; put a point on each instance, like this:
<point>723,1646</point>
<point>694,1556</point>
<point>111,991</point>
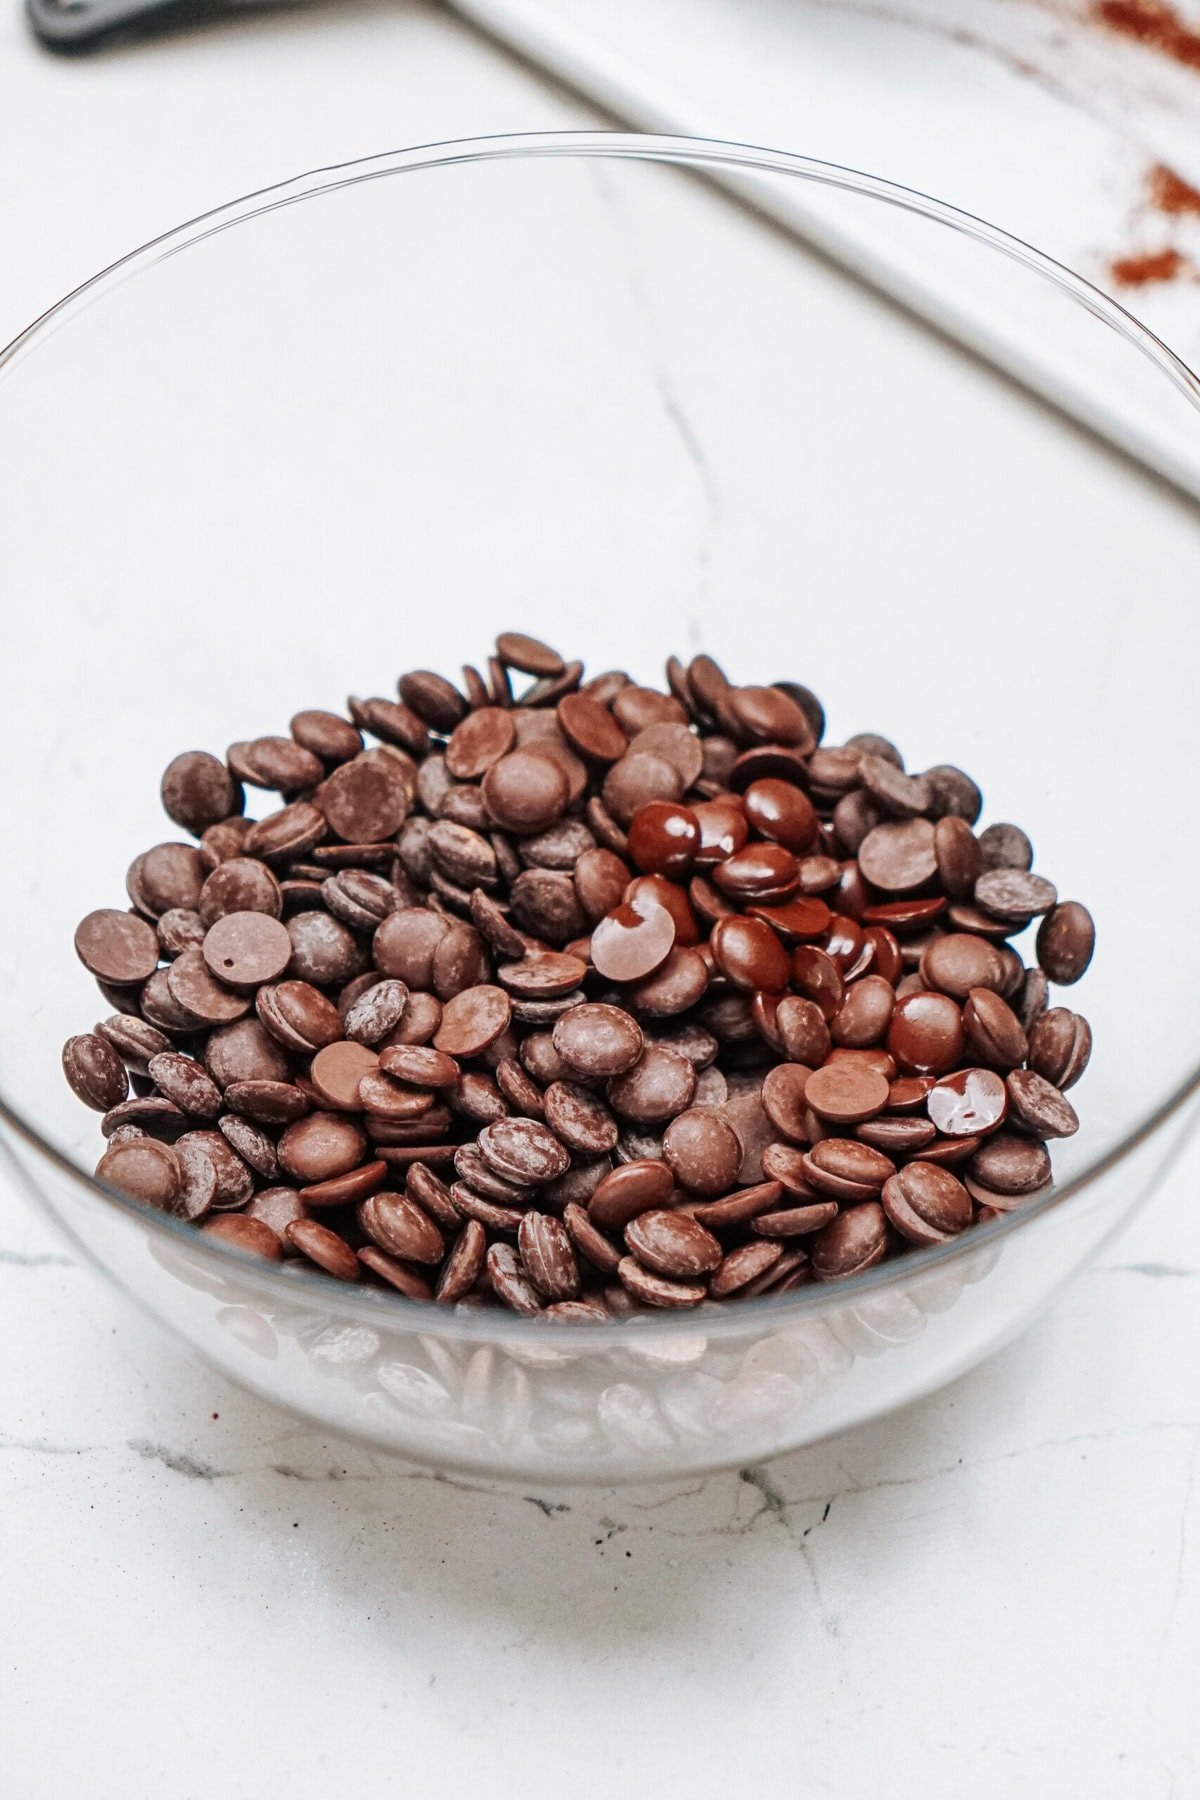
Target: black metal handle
<point>78,24</point>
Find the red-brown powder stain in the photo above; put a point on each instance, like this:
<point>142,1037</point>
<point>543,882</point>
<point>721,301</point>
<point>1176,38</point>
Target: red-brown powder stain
<point>1141,271</point>
<point>1170,193</point>
<point>1153,23</point>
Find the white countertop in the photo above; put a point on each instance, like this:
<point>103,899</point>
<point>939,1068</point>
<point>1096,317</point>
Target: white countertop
<point>995,1592</point>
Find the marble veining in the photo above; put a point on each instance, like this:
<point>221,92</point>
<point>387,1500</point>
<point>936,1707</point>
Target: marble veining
<point>666,388</point>
<point>995,1591</point>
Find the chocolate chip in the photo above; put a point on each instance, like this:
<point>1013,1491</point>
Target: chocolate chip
<point>283,835</point>
<point>671,1243</point>
<point>847,1168</point>
<point>134,1041</point>
<point>926,1204</point>
<point>782,812</point>
<point>676,744</point>
<point>252,1236</point>
<point>633,940</point>
<point>180,929</point>
<point>589,1241</point>
<point>1004,847</point>
<point>1060,1046</point>
<point>749,953</point>
<point>225,839</point>
<point>376,1012</point>
<point>325,952</point>
<point>508,1281</point>
<point>234,1181</point>
<point>896,1136</point>
<point>749,1262</point>
<point>1065,942</point>
<point>664,838</point>
<point>895,793</point>
<point>1039,1106</point>
<point>967,1103</point>
<point>145,1170</point>
<point>758,872</point>
<point>957,854</point>
<point>432,698</point>
<point>464,1264</point>
<point>558,847</point>
<point>251,1144</point>
<point>636,1187</point>
<point>767,715</point>
<point>547,1256</point>
<point>275,762</point>
<point>320,1146</point>
<point>151,1113</point>
<point>473,1020</point>
<point>420,1065</point>
<point>581,1120</point>
<point>395,1273</point>
<point>197,1191</point>
<point>544,902</point>
<point>523,1151</point>
<point>246,949</point>
<point>958,962</point>
<point>1011,1165</point>
<point>844,1093</point>
<point>525,792</point>
<point>368,798</point>
<point>201,996</point>
<point>327,735</point>
<point>796,1221</point>
<point>659,1086</point>
<point>899,857</point>
<point>117,947</point>
<point>952,794</point>
<point>1014,895</point>
<point>460,962</point>
<point>492,1214</point>
<point>854,1241</point>
<point>993,1030</point>
<point>242,884</point>
<point>865,1014</point>
<point>674,987</point>
<point>590,728</point>
<point>658,1290</point>
<point>398,1225</point>
<point>95,1072</point>
<point>926,1035</point>
<point>186,1083</point>
<point>519,651</point>
<point>421,1021</point>
<point>299,1016</point>
<point>198,791</point>
<point>703,1150</point>
<point>784,1099</point>
<point>598,1041</point>
<point>323,1247</point>
<point>358,898</point>
<point>169,875</point>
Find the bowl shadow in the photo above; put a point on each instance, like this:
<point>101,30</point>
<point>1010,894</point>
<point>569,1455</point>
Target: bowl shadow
<point>641,1571</point>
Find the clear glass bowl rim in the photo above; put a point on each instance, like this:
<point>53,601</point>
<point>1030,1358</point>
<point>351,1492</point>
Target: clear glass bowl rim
<point>688,153</point>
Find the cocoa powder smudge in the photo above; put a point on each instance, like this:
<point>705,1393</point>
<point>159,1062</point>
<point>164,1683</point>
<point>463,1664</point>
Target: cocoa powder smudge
<point>1170,193</point>
<point>1155,24</point>
<point>1141,271</point>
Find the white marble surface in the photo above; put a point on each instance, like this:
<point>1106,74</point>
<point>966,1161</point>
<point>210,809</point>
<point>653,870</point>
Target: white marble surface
<point>1036,115</point>
<point>996,1592</point>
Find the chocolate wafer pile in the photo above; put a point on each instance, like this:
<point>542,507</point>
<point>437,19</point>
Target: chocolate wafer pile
<point>582,999</point>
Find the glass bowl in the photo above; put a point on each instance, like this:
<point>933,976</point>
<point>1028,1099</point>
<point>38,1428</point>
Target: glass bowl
<point>357,423</point>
